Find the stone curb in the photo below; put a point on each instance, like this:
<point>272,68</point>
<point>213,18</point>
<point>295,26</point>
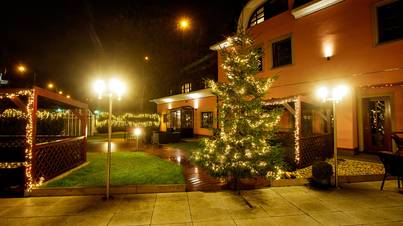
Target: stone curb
<point>131,189</point>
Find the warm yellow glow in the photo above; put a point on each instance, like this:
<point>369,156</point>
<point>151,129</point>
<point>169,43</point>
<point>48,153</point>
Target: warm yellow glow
<point>68,96</point>
<point>117,87</point>
<point>99,87</point>
<point>328,50</point>
<point>114,87</point>
<point>146,58</point>
<point>50,85</point>
<point>21,68</point>
<point>184,23</point>
<point>196,103</point>
<point>169,106</point>
<point>137,132</point>
<point>60,92</point>
<point>322,93</point>
<point>168,100</point>
<point>339,92</point>
<point>194,95</point>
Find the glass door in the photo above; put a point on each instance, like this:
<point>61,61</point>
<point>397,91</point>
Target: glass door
<point>377,124</point>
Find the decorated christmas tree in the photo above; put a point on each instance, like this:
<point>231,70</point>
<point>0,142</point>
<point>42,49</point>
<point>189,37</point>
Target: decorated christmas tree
<point>241,147</point>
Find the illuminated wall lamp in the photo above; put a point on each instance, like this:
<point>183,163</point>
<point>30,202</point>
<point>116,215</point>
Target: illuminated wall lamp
<point>196,104</point>
<point>328,51</point>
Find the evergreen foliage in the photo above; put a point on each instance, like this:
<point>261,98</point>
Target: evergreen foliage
<point>241,147</point>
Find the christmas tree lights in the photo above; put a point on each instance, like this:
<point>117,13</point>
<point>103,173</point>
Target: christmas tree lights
<point>242,146</point>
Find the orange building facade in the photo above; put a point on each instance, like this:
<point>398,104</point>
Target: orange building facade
<point>314,43</point>
<point>191,113</point>
<point>357,43</point>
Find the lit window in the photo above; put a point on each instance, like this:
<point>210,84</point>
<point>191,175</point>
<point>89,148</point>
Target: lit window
<point>270,9</point>
<point>187,87</point>
<point>207,120</point>
<point>257,17</point>
<point>390,21</point>
<point>260,65</point>
<point>282,52</point>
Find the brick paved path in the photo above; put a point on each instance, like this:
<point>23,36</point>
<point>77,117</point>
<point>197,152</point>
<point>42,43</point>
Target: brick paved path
<point>197,179</point>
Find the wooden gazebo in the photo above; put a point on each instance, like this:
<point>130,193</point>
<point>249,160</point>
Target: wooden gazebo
<point>27,160</point>
<point>307,134</point>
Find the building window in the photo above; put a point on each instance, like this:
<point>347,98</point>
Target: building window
<point>282,52</point>
<point>257,17</point>
<point>186,87</point>
<point>261,53</point>
<point>390,21</point>
<point>270,9</point>
<point>207,120</point>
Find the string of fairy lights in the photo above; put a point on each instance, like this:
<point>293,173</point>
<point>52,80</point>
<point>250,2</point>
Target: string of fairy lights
<point>297,131</point>
<point>130,120</point>
<point>29,117</point>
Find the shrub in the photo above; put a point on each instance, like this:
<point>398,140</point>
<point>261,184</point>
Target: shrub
<point>321,174</point>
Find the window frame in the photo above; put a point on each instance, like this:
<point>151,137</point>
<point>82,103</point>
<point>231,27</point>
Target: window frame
<point>257,47</point>
<point>256,17</point>
<point>375,22</point>
<point>186,87</point>
<point>210,120</point>
<point>271,42</point>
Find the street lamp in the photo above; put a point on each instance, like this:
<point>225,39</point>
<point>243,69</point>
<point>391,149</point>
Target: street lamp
<point>137,133</point>
<point>114,88</point>
<point>338,92</point>
<point>184,24</point>
<point>22,69</point>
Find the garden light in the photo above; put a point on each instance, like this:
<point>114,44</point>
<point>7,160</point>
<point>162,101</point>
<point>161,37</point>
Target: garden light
<point>338,92</point>
<point>114,88</point>
<point>137,133</point>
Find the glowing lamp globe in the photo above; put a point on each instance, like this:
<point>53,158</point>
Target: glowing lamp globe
<point>137,132</point>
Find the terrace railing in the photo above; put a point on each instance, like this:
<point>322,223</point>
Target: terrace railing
<point>55,157</point>
<point>315,147</point>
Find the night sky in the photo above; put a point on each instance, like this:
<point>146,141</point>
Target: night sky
<point>72,42</point>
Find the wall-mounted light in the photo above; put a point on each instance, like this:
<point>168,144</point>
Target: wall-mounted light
<point>196,104</point>
<point>328,50</point>
<point>168,100</point>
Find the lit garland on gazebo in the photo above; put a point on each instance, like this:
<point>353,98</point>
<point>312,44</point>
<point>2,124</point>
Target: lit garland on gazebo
<point>297,131</point>
<point>29,116</point>
<point>131,120</point>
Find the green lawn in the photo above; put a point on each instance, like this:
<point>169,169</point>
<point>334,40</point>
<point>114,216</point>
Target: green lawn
<point>189,147</point>
<point>104,136</point>
<point>128,168</point>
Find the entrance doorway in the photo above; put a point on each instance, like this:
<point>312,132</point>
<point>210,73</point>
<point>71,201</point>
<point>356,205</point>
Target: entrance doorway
<point>377,124</point>
<point>181,120</point>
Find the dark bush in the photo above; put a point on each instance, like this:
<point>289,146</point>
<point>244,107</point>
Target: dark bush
<point>322,170</point>
<point>321,174</point>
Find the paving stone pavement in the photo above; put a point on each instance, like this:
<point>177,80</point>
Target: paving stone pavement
<point>354,204</point>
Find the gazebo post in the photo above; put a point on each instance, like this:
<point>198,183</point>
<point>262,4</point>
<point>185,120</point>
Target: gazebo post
<point>297,132</point>
<point>32,107</point>
<point>84,126</point>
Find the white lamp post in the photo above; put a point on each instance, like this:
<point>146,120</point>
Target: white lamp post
<point>137,133</point>
<point>338,92</point>
<point>114,88</point>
